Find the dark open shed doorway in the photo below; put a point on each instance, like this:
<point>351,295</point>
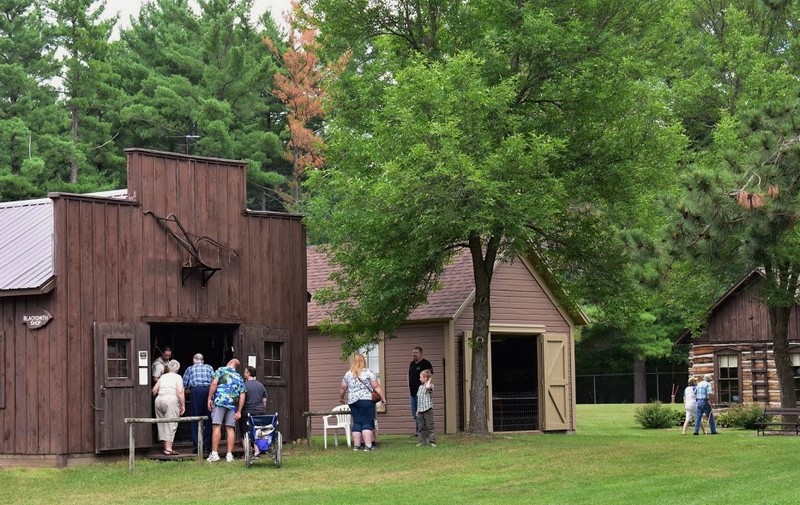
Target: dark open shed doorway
<point>515,386</point>
<point>214,341</point>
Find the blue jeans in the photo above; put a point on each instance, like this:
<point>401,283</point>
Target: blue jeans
<point>414,403</point>
<point>703,407</point>
<point>363,414</point>
<point>198,406</point>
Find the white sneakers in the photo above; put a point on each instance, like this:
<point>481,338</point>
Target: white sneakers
<point>214,457</point>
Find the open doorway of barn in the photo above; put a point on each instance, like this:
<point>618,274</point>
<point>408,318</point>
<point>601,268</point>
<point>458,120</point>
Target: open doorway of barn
<point>214,341</point>
<point>515,388</point>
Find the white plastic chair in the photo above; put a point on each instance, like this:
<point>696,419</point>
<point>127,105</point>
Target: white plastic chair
<point>336,421</point>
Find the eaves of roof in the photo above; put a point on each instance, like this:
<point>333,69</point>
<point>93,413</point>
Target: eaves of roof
<point>746,280</point>
<point>27,231</point>
<point>26,245</point>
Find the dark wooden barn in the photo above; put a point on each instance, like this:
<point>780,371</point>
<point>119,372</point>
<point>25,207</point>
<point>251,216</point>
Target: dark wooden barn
<point>736,347</point>
<point>176,259</point>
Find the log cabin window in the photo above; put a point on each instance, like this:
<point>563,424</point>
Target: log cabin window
<point>272,360</point>
<point>118,359</point>
<point>728,378</point>
<point>796,373</point>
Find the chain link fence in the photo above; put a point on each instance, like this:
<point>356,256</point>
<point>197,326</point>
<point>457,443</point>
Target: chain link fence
<point>618,387</point>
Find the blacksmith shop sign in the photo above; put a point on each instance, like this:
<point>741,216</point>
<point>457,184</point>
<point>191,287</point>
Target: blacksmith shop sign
<point>36,319</point>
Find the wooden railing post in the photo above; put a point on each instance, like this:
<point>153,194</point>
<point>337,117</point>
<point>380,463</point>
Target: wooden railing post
<point>200,432</point>
<point>131,447</point>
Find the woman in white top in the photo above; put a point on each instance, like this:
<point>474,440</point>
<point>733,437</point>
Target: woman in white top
<point>690,405</point>
<point>358,384</point>
<point>170,402</point>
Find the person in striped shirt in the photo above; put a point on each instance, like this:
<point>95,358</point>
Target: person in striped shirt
<point>427,431</point>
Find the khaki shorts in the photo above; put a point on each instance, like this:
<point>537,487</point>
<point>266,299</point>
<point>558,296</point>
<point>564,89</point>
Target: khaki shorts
<point>221,415</point>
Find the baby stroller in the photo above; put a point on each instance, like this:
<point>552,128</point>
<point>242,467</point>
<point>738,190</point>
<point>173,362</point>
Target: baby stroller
<point>263,433</point>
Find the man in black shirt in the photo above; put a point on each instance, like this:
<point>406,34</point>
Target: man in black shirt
<point>417,365</point>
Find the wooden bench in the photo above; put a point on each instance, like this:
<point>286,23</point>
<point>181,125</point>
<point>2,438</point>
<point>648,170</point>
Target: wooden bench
<point>766,421</point>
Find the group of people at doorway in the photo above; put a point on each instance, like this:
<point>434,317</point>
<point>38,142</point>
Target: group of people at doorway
<point>356,390</point>
<point>227,398</point>
<point>222,395</point>
<point>697,403</point>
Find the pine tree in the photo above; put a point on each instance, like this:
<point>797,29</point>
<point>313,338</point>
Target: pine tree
<point>88,85</point>
<point>299,87</point>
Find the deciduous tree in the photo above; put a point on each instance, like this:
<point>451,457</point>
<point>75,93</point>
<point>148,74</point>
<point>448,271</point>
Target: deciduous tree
<point>502,127</point>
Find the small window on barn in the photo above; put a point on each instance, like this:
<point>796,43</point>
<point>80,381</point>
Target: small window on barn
<point>728,384</point>
<point>118,359</point>
<point>796,374</point>
<point>272,359</point>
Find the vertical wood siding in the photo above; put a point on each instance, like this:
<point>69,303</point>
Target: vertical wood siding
<point>742,317</point>
<point>113,263</point>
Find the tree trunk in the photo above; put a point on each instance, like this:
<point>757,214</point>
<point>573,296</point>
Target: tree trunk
<point>73,175</point>
<point>639,379</point>
<point>779,323</point>
<point>482,268</point>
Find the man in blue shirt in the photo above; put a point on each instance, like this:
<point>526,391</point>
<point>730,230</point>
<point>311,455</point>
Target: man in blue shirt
<point>196,381</point>
<point>703,394</point>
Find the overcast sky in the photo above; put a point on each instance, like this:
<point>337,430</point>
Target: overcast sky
<point>126,8</point>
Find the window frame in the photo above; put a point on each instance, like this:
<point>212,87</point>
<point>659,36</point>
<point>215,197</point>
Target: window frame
<point>280,340</point>
<point>718,380</point>
<point>795,351</point>
<point>273,345</point>
<point>381,362</point>
<point>119,381</point>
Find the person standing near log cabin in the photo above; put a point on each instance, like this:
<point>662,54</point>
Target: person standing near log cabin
<point>703,394</point>
<point>417,365</point>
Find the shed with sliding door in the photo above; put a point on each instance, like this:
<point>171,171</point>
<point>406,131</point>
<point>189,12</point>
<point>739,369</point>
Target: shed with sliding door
<point>92,286</point>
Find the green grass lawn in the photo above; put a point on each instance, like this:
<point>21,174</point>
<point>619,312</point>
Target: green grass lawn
<point>609,460</point>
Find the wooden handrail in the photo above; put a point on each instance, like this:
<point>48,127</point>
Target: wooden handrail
<point>132,421</point>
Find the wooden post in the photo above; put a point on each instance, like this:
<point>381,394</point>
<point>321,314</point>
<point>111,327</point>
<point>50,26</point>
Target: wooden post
<point>200,432</point>
<point>308,429</point>
<point>131,447</point>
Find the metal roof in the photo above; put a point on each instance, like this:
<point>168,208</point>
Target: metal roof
<point>26,244</point>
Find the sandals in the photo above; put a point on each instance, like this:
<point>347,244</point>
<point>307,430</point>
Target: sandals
<point>171,453</point>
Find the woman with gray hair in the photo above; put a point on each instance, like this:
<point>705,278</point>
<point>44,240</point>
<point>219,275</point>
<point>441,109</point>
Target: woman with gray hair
<point>169,403</point>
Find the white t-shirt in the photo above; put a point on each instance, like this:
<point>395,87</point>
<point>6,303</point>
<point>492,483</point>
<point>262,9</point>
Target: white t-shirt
<point>689,398</point>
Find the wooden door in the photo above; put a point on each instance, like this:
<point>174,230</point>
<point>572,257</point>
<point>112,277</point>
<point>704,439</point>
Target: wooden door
<point>265,348</point>
<point>554,402</point>
<point>122,384</point>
